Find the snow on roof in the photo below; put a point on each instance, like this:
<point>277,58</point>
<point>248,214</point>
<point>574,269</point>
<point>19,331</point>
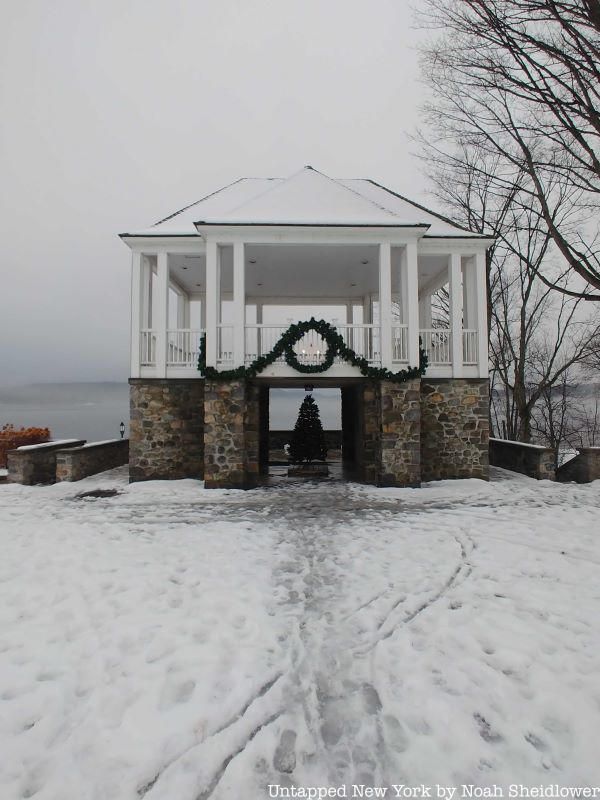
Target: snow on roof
<point>307,197</point>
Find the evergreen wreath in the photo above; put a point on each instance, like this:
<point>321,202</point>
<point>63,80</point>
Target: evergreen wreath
<point>335,347</point>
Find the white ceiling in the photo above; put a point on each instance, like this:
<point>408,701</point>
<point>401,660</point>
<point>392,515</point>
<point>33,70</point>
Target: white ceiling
<point>279,271</point>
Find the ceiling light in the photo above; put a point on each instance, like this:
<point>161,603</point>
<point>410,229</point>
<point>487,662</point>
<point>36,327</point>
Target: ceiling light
<point>365,261</point>
<point>252,260</point>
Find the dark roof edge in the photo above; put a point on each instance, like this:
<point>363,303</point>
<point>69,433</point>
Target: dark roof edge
<point>157,235</point>
<point>439,216</point>
<point>311,225</point>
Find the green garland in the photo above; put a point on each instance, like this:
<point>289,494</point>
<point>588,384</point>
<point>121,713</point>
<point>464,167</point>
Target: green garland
<point>335,347</point>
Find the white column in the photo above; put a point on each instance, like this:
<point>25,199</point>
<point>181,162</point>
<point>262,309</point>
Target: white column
<point>385,303</point>
<point>239,305</point>
<point>469,276</point>
<point>146,292</point>
<point>367,310</point>
<point>136,313</point>
<point>425,311</point>
<point>211,302</point>
<point>409,286</point>
<point>456,311</point>
<point>162,313</point>
<point>482,320</point>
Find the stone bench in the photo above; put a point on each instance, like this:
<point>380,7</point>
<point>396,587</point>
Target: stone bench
<point>79,462</point>
<point>529,459</point>
<point>583,468</point>
<point>36,463</point>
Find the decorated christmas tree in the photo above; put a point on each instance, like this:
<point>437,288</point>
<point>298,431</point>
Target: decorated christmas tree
<point>308,439</point>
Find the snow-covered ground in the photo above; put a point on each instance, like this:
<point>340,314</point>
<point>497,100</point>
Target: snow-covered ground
<point>173,643</point>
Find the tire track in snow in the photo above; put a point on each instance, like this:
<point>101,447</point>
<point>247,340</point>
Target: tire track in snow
<point>463,568</point>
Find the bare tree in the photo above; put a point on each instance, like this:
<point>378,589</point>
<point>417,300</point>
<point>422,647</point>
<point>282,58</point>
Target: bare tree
<point>536,333</point>
<point>552,418</point>
<point>519,82</point>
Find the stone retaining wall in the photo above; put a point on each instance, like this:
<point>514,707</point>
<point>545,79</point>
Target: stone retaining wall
<point>36,463</point>
<point>79,462</point>
<point>454,428</point>
<point>584,468</point>
<point>166,429</point>
<point>528,459</point>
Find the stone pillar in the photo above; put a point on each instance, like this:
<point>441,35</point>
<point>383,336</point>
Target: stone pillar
<point>231,434</point>
<point>370,450</point>
<point>400,434</point>
<point>166,429</point>
<point>263,430</point>
<point>454,428</point>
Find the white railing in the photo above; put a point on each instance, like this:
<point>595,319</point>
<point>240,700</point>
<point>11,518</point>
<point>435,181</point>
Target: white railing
<point>470,350</point>
<point>225,344</point>
<point>147,348</point>
<point>363,339</point>
<point>310,349</point>
<point>261,339</point>
<point>400,344</point>
<point>183,347</point>
<point>436,343</point>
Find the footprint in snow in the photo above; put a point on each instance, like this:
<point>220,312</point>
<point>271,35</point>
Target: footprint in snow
<point>176,693</point>
<point>485,729</point>
<point>284,758</point>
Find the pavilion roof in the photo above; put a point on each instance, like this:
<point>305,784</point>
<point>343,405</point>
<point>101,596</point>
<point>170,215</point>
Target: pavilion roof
<point>306,198</point>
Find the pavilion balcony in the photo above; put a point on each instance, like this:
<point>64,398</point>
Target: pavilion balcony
<point>182,347</point>
<point>385,300</point>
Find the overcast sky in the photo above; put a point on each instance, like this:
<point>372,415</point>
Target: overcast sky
<point>116,113</point>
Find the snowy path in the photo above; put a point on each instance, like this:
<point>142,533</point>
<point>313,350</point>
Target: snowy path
<point>176,644</point>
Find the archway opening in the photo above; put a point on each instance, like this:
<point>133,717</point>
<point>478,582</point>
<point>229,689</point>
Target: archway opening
<point>340,411</point>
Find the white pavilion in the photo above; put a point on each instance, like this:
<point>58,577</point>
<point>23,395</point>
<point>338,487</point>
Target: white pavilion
<point>240,265</point>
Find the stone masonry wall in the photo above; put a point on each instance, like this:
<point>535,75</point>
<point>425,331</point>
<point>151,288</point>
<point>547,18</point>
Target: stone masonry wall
<point>583,468</point>
<point>36,463</point>
<point>166,429</point>
<point>79,462</point>
<point>400,444</point>
<point>454,428</point>
<point>231,425</point>
<point>529,459</point>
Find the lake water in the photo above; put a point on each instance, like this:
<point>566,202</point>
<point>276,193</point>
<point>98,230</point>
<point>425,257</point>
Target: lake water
<point>91,411</point>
